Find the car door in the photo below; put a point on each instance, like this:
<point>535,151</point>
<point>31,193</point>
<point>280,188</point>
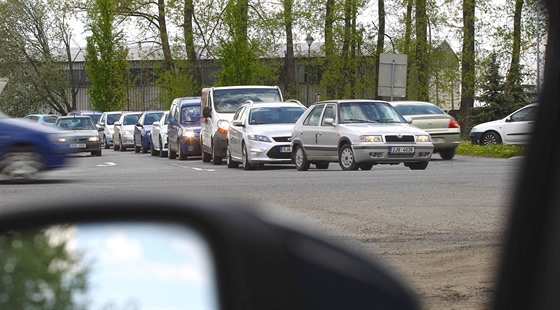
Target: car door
<point>236,133</point>
<point>327,139</point>
<point>173,126</point>
<point>519,125</point>
<point>308,132</point>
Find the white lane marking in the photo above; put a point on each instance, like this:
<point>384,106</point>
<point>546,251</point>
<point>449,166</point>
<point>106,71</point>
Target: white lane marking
<point>107,164</point>
<point>192,168</point>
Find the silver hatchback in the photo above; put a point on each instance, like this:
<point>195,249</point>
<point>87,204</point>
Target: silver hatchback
<point>260,133</point>
<point>358,134</point>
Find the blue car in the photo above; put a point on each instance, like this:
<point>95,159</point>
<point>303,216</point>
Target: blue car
<point>183,130</point>
<point>27,148</point>
<point>142,141</point>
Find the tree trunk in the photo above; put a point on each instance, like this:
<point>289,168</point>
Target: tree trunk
<point>380,43</point>
<point>168,63</point>
<point>329,40</point>
<point>290,65</point>
<point>467,65</point>
<point>345,48</point>
<point>513,74</point>
<point>421,55</point>
<point>188,33</point>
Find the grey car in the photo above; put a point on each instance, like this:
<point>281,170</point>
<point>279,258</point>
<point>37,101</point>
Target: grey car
<point>82,134</point>
<point>106,121</point>
<point>123,131</point>
<point>261,132</point>
<point>358,134</point>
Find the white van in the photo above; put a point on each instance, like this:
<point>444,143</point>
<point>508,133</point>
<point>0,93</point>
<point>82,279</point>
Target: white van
<point>218,105</point>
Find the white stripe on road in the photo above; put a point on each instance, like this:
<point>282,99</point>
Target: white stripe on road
<point>107,164</point>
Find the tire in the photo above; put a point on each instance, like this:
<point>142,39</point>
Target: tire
<point>142,147</point>
<point>105,144</point>
<point>115,145</point>
<point>206,157</point>
<point>153,151</point>
<point>136,148</point>
<point>346,158</point>
<point>366,166</point>
<point>447,154</point>
<point>229,161</point>
<point>300,160</point>
<point>121,146</point>
<point>21,164</point>
<point>96,153</point>
<point>246,164</point>
<point>170,153</point>
<point>322,165</point>
<point>420,165</point>
<point>181,154</point>
<point>162,153</point>
<point>490,138</point>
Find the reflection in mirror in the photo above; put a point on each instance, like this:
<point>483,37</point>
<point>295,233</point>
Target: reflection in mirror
<point>116,265</point>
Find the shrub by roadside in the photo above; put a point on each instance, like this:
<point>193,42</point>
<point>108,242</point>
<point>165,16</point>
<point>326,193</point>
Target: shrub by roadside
<point>496,151</point>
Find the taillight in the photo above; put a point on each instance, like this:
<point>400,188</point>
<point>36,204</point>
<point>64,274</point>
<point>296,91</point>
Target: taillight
<point>453,123</point>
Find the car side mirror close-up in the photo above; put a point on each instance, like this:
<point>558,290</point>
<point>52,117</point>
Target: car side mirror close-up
<point>156,124</point>
<point>237,122</point>
<point>329,121</point>
<point>206,112</point>
<point>408,119</point>
<point>181,255</point>
<point>117,124</point>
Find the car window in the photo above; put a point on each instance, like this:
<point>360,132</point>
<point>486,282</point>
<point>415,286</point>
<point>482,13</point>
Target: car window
<point>329,113</point>
<point>275,115</point>
<point>165,119</point>
<point>95,117</point>
<point>151,118</point>
<point>525,115</point>
<point>416,109</point>
<point>190,114</point>
<point>368,112</point>
<point>75,124</point>
<point>314,116</point>
<point>50,119</point>
<point>32,118</point>
<point>229,100</point>
<point>238,114</point>
<point>112,118</point>
<point>131,119</point>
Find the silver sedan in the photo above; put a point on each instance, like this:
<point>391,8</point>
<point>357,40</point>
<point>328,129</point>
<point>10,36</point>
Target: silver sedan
<point>158,136</point>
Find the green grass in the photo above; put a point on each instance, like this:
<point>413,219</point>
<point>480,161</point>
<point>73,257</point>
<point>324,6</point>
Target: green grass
<point>496,151</point>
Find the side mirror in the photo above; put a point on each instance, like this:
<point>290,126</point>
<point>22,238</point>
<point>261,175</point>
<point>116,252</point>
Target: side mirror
<point>156,124</point>
<point>172,120</point>
<point>100,129</point>
<point>101,124</point>
<point>329,121</point>
<point>206,112</point>
<point>509,119</point>
<point>408,119</point>
<point>139,125</point>
<point>237,122</point>
<point>117,124</point>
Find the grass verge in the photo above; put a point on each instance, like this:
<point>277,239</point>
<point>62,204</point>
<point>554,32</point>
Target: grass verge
<point>496,151</point>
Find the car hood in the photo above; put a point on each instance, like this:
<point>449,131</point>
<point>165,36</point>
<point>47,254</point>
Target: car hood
<point>489,124</point>
<point>85,132</point>
<point>274,130</point>
<point>383,129</point>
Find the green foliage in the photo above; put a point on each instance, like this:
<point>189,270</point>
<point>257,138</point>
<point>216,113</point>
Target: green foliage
<point>176,83</point>
<point>496,151</point>
<point>106,59</point>
<point>39,273</point>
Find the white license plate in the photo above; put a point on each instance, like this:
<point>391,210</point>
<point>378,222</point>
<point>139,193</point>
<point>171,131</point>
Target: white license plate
<point>285,149</point>
<point>78,145</point>
<point>437,140</point>
<point>401,150</point>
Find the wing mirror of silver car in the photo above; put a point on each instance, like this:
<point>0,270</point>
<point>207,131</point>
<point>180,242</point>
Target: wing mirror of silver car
<point>237,123</point>
<point>408,119</point>
<point>180,254</point>
<point>329,121</point>
<point>117,124</point>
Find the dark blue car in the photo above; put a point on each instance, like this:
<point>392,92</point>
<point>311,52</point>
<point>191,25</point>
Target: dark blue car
<point>142,140</point>
<point>27,148</point>
<point>183,130</point>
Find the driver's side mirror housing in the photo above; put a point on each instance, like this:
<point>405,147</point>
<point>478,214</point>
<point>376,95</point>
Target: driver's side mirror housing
<point>329,121</point>
<point>237,122</point>
<point>206,112</point>
<point>408,119</point>
<point>117,124</point>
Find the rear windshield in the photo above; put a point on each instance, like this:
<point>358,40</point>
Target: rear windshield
<point>228,100</point>
<point>415,109</point>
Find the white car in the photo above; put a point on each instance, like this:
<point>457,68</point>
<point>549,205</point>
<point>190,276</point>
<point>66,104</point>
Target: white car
<point>106,122</point>
<point>358,134</point>
<point>261,132</point>
<point>515,128</point>
<point>158,136</point>
<point>123,130</point>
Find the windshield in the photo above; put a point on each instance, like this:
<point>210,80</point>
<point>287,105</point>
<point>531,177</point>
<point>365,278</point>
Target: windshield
<point>152,118</point>
<point>280,115</point>
<point>95,117</point>
<point>112,118</point>
<point>228,100</point>
<point>131,119</point>
<point>190,114</point>
<point>368,112</point>
<point>82,123</point>
<point>416,109</point>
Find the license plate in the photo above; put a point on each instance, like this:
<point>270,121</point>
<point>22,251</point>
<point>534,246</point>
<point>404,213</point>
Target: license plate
<point>285,149</point>
<point>78,145</point>
<point>401,150</point>
<point>437,140</point>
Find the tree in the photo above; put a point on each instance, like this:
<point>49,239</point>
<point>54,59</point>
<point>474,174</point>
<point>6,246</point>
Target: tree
<point>380,43</point>
<point>291,87</point>
<point>422,74</point>
<point>467,65</point>
<point>106,58</point>
<point>493,93</point>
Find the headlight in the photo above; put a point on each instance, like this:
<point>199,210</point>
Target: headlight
<point>423,138</point>
<point>371,139</point>
<point>260,138</point>
<point>94,139</point>
<point>188,134</point>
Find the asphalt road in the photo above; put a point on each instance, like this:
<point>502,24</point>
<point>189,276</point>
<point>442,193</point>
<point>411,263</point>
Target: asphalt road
<point>403,217</point>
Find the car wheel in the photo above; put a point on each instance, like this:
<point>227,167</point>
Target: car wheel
<point>322,165</point>
<point>153,151</point>
<point>490,137</point>
<point>206,157</point>
<point>96,153</point>
<point>447,154</point>
<point>421,165</point>
<point>143,148</point>
<point>105,144</point>
<point>366,166</point>
<point>182,155</point>
<point>229,161</point>
<point>244,156</point>
<point>121,146</point>
<point>300,160</point>
<point>216,160</point>
<point>170,153</point>
<point>21,164</point>
<point>136,147</point>
<point>346,158</point>
<point>161,152</point>
<point>115,145</point>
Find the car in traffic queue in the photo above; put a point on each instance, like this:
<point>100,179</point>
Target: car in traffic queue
<point>95,115</point>
<point>158,136</point>
<point>260,133</point>
<point>358,134</point>
<point>142,141</point>
<point>107,121</point>
<point>515,128</point>
<point>27,149</point>
<point>442,127</point>
<point>42,119</point>
<point>81,134</point>
<point>183,129</point>
<point>123,135</point>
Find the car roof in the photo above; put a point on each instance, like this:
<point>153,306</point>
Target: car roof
<point>84,112</point>
<point>411,103</point>
<point>74,116</point>
<point>275,104</point>
<point>243,87</point>
<point>349,101</point>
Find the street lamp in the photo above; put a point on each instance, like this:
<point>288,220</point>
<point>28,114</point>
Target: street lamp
<point>309,41</point>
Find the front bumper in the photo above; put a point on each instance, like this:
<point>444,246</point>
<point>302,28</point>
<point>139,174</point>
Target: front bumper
<point>78,147</point>
<point>445,141</point>
<point>273,153</point>
<point>475,137</point>
<point>190,146</point>
<point>220,144</point>
<point>380,154</point>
